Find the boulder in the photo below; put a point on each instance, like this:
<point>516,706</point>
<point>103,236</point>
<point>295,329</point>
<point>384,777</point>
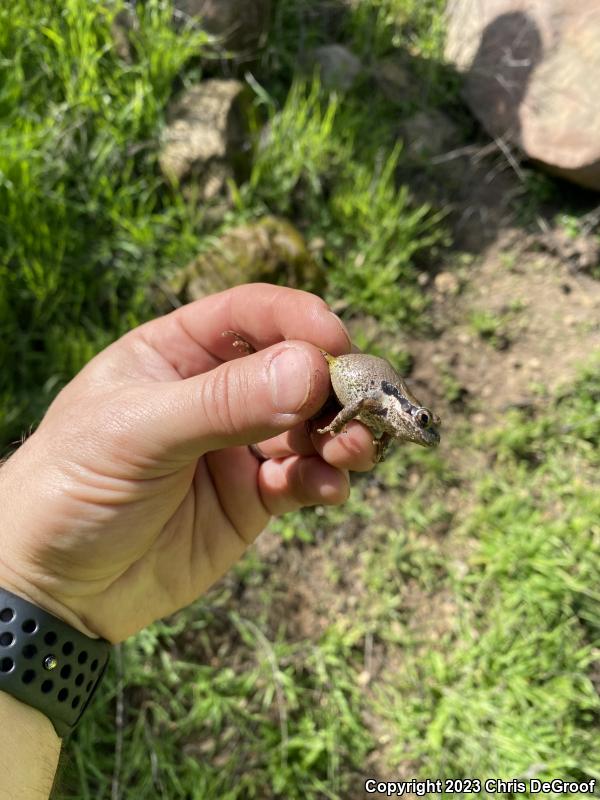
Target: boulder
<point>270,250</point>
<point>337,66</point>
<point>532,68</point>
<point>239,25</point>
<point>207,139</point>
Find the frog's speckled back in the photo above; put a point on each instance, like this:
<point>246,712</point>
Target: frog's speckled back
<point>355,375</point>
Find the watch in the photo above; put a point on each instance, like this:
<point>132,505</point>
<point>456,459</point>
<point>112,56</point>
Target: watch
<point>46,663</point>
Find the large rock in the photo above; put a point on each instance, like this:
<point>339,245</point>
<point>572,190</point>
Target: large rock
<point>271,250</point>
<point>207,138</point>
<point>337,66</point>
<point>532,74</point>
<point>239,25</point>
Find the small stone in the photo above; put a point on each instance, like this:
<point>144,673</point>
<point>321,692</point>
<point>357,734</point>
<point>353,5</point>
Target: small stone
<point>446,283</point>
<point>414,479</point>
<point>534,363</point>
<point>372,492</point>
<point>464,337</point>
<point>478,419</point>
<point>423,278</point>
<point>338,67</point>
<point>364,678</point>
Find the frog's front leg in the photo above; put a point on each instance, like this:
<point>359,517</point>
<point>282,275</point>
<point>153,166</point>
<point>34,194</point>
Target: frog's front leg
<point>350,412</point>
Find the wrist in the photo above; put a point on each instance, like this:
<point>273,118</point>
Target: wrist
<point>25,579</point>
<point>46,663</point>
<point>30,749</point>
<point>14,583</point>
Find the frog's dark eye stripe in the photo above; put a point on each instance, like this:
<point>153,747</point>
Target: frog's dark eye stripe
<point>390,389</point>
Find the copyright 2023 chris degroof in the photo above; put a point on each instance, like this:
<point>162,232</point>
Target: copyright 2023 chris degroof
<point>466,786</point>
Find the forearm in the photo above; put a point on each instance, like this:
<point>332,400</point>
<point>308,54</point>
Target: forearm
<point>29,751</point>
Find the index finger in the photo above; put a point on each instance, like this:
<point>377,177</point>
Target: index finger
<point>191,340</point>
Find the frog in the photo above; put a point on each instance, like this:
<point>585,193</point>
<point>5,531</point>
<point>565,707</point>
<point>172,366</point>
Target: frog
<point>369,389</point>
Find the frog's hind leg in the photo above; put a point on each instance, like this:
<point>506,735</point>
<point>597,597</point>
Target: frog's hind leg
<point>381,446</point>
<point>239,342</point>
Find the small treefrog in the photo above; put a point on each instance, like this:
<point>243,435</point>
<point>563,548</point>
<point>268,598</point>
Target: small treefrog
<point>369,389</point>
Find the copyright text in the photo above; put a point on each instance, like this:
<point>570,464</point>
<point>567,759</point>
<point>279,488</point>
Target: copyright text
<point>468,785</point>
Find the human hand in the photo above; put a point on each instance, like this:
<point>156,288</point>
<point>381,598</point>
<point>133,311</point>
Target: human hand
<point>138,490</point>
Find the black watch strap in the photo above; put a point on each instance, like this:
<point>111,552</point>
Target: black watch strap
<point>46,663</point>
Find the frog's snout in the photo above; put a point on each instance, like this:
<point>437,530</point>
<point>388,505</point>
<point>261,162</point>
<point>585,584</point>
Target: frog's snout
<point>433,439</point>
<point>431,436</point>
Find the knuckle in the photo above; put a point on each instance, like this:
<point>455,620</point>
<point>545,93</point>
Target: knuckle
<point>221,400</point>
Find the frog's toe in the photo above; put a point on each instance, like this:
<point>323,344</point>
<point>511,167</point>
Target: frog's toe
<point>239,343</point>
<point>328,429</point>
<point>333,429</point>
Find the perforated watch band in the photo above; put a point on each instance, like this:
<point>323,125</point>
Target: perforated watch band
<point>46,663</point>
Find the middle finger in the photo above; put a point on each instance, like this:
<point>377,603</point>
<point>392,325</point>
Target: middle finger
<point>351,449</point>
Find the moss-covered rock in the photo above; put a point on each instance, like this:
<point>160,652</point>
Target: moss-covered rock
<point>270,250</point>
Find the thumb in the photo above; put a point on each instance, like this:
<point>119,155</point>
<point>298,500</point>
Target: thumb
<point>239,402</point>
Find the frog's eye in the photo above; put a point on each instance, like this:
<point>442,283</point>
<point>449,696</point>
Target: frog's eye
<point>424,418</point>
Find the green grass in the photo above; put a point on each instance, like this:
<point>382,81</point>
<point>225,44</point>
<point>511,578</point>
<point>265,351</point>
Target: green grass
<point>83,227</point>
<point>510,687</point>
<point>214,709</point>
<point>499,328</point>
<point>336,177</point>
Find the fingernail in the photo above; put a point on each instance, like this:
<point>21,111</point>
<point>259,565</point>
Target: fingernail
<point>342,326</point>
<point>290,377</point>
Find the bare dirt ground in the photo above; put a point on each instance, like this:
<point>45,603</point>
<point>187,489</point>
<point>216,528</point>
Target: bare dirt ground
<point>550,322</point>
